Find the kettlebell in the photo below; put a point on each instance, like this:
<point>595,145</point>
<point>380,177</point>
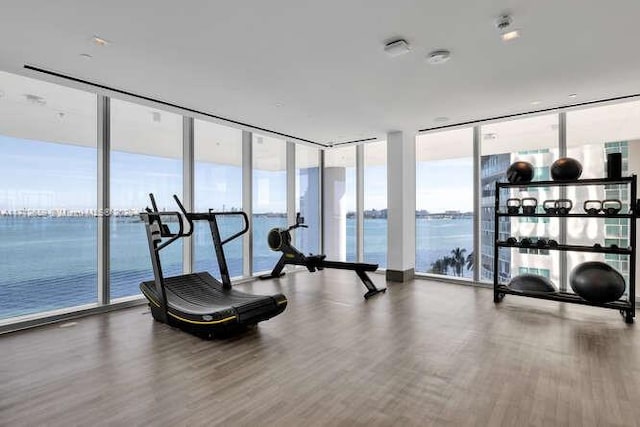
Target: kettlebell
<point>529,205</point>
<point>513,206</point>
<point>564,206</point>
<point>592,207</point>
<point>549,207</point>
<point>611,206</point>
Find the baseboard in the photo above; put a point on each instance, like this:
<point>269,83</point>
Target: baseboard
<point>400,275</point>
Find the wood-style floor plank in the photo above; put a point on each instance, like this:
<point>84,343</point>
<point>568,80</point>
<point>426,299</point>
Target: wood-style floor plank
<point>424,353</point>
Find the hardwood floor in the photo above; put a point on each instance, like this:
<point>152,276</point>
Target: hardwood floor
<point>424,353</point>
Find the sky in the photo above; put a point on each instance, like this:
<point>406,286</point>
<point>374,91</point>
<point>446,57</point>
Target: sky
<point>41,175</point>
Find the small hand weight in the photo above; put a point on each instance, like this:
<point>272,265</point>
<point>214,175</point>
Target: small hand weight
<point>563,206</point>
<point>611,206</point>
<point>529,205</point>
<point>592,207</point>
<point>549,207</point>
<point>513,206</point>
<point>512,240</point>
<point>597,246</point>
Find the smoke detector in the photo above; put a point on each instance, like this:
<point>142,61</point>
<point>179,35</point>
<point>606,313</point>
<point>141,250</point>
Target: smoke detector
<point>438,56</point>
<point>397,48</point>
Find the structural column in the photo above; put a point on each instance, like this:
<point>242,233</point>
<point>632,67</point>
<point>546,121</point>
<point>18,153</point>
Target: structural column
<point>335,213</point>
<point>104,203</point>
<point>401,206</point>
<point>247,202</point>
<point>188,187</point>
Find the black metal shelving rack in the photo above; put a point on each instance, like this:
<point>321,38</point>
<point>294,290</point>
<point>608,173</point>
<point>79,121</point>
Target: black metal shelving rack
<point>627,306</point>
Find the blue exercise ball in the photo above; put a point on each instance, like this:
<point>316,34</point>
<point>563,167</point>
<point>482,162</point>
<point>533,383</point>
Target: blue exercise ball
<point>597,282</point>
<point>520,172</point>
<point>566,169</point>
<point>532,283</point>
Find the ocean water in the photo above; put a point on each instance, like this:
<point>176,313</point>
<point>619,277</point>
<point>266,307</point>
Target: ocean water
<point>48,263</point>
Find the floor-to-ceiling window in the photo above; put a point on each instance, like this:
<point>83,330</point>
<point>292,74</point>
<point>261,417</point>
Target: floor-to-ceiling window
<point>375,203</point>
<point>269,197</point>
<point>308,198</point>
<point>444,203</point>
<point>146,157</point>
<point>48,197</point>
<point>592,134</point>
<point>536,140</point>
<point>218,186</point>
<point>340,216</point>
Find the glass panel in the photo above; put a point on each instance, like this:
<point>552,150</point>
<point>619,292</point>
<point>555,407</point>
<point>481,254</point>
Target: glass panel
<point>375,203</point>
<point>218,186</point>
<point>340,204</point>
<point>535,140</point>
<point>444,203</point>
<point>47,197</point>
<point>146,157</point>
<point>269,197</point>
<point>592,134</point>
<point>308,198</point>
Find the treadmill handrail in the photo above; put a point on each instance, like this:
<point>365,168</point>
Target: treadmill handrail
<point>245,228</point>
<point>177,235</point>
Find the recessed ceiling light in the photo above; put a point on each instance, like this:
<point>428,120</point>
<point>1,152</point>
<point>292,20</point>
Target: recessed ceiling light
<point>100,41</point>
<point>278,104</point>
<point>573,95</point>
<point>397,48</point>
<point>441,119</point>
<point>507,32</point>
<point>86,55</point>
<point>510,35</point>
<point>536,102</point>
<point>438,56</point>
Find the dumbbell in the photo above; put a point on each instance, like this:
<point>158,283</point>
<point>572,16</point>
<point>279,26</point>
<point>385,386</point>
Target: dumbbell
<point>513,206</point>
<point>549,207</point>
<point>611,206</point>
<point>529,205</point>
<point>563,206</point>
<point>592,207</point>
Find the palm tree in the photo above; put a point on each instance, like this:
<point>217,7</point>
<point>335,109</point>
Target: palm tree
<point>458,260</point>
<point>470,261</point>
<point>439,267</point>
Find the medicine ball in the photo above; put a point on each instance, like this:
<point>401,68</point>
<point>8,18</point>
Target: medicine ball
<point>520,172</point>
<point>532,283</point>
<point>566,169</point>
<point>597,282</point>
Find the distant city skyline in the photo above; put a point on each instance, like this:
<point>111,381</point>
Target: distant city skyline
<point>42,175</point>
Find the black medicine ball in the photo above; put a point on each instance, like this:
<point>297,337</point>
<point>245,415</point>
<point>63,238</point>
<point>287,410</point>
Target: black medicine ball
<point>520,172</point>
<point>566,169</point>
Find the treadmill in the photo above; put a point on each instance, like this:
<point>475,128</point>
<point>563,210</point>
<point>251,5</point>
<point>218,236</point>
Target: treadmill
<point>197,302</point>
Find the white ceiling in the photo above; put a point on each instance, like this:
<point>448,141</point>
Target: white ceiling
<point>316,70</point>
